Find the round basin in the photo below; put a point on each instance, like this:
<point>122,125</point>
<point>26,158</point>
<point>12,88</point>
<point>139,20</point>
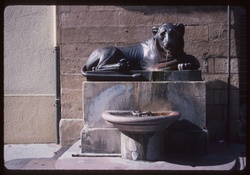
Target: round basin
<point>142,132</point>
<point>141,121</point>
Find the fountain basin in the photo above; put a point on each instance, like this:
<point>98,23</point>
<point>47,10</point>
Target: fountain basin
<point>142,132</point>
<point>143,122</point>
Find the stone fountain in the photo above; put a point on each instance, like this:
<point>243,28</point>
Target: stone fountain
<point>153,78</point>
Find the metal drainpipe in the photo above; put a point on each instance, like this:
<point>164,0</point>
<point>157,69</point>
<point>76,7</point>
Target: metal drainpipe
<point>57,78</point>
<point>57,94</point>
<point>228,74</point>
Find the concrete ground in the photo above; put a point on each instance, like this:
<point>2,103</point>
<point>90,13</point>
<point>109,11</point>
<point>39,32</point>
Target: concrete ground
<point>222,156</point>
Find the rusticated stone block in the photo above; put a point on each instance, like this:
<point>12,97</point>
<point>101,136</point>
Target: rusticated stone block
<point>69,131</point>
<point>127,18</point>
<point>201,15</point>
<point>197,49</point>
<point>196,33</point>
<point>79,51</point>
<point>72,8</point>
<point>100,140</point>
<point>89,19</point>
<point>109,34</point>
<point>101,8</point>
<point>72,82</point>
<point>221,65</point>
<point>218,32</point>
<point>71,66</point>
<point>71,104</point>
<point>73,35</point>
<point>219,48</point>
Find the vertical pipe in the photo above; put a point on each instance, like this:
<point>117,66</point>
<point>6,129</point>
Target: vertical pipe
<point>57,93</point>
<point>228,74</point>
<point>57,78</point>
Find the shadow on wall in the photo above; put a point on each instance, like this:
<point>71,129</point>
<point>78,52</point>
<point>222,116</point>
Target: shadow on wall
<point>217,110</point>
<point>186,138</point>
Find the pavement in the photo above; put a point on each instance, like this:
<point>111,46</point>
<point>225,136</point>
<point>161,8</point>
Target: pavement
<point>221,157</point>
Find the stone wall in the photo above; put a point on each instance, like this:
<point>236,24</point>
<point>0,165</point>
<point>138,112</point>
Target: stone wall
<point>84,28</point>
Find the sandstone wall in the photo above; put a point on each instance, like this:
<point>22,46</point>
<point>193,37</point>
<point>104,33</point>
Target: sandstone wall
<point>84,28</point>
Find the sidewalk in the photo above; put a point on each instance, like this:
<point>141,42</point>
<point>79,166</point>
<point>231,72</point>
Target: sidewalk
<point>222,156</point>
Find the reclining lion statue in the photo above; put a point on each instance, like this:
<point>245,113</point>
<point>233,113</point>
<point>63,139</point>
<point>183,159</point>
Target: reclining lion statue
<point>163,51</point>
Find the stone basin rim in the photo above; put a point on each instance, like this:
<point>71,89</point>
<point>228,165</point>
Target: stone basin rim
<point>117,116</point>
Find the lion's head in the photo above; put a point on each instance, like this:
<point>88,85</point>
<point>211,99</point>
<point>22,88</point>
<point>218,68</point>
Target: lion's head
<point>169,38</point>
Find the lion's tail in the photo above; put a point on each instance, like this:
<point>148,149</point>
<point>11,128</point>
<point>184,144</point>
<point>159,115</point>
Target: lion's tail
<point>84,70</point>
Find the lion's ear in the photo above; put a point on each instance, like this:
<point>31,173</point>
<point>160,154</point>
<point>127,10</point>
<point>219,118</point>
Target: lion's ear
<point>181,28</point>
<point>154,30</point>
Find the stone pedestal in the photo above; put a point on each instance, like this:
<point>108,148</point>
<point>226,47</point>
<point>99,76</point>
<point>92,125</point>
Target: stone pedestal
<point>178,94</point>
<point>142,146</point>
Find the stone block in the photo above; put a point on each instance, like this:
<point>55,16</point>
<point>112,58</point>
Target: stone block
<point>170,16</point>
<point>69,131</point>
<point>71,103</point>
<point>196,33</point>
<point>79,51</point>
<point>69,67</point>
<point>74,35</point>
<point>101,96</point>
<point>201,15</point>
<point>219,48</point>
<point>211,65</point>
<point>72,82</point>
<point>101,8</point>
<point>100,140</point>
<point>189,98</point>
<point>133,34</point>
<point>197,49</point>
<point>89,19</point>
<point>127,18</point>
<point>72,8</point>
<point>186,97</point>
<point>220,65</point>
<point>234,65</point>
<point>218,32</point>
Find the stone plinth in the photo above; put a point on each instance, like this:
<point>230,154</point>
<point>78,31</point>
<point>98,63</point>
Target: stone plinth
<point>99,136</point>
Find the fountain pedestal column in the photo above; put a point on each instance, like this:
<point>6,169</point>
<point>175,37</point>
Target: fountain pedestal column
<point>142,146</point>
